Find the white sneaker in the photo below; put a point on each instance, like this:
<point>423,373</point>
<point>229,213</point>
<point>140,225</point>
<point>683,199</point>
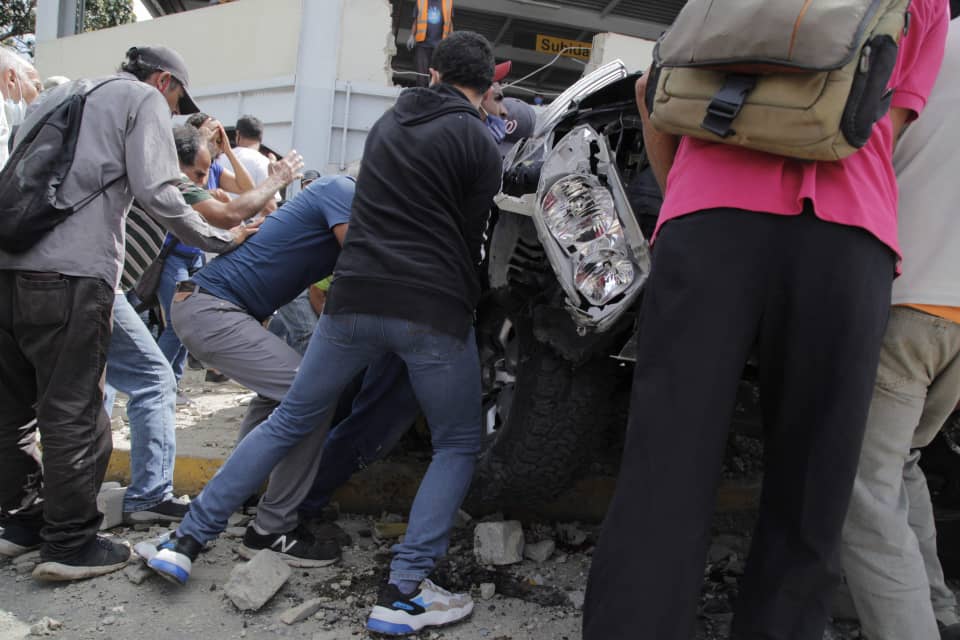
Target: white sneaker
<point>397,614</point>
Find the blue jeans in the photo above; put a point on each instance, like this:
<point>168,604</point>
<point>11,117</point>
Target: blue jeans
<point>445,375</point>
<point>176,268</point>
<point>373,414</point>
<point>136,367</point>
<point>294,322</point>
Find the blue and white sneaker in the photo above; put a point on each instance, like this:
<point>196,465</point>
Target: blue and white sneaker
<point>399,614</point>
<point>146,549</point>
<point>174,558</point>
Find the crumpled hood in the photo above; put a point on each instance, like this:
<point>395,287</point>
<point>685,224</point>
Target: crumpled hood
<point>419,105</point>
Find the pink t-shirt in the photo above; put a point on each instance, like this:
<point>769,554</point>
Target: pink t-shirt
<point>860,190</point>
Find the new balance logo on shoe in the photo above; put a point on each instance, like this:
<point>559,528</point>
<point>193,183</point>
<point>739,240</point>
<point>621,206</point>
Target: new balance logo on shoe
<point>282,545</point>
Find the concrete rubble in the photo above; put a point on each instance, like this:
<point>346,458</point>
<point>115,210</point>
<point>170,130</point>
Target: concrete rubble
<point>138,572</point>
<point>253,583</point>
<point>539,552</point>
<point>45,627</point>
<point>301,612</point>
<point>488,590</point>
<point>498,543</point>
<point>110,504</point>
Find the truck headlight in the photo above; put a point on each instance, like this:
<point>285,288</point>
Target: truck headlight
<point>582,218</point>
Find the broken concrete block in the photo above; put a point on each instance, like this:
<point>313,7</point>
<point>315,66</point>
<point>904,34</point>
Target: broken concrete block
<point>110,504</point>
<point>487,590</point>
<point>304,611</point>
<point>539,552</point>
<point>498,543</point>
<point>235,532</point>
<point>138,572</point>
<point>110,485</point>
<point>252,584</point>
<point>576,598</point>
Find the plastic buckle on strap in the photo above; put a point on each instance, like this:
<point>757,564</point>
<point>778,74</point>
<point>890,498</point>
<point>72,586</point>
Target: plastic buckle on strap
<point>727,103</point>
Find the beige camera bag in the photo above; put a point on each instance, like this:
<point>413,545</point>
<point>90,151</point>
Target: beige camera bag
<point>798,78</point>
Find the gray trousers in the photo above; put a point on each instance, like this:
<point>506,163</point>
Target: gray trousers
<point>226,337</point>
<point>889,548</point>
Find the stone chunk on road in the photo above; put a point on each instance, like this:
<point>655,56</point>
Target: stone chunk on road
<point>304,611</point>
<point>252,584</point>
<point>110,504</point>
<point>540,552</point>
<point>137,572</point>
<point>498,543</point>
<point>45,627</point>
<point>488,590</point>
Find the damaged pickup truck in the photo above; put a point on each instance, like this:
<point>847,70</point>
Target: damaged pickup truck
<point>567,258</point>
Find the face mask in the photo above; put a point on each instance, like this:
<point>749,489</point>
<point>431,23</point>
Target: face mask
<point>15,111</point>
<point>497,127</point>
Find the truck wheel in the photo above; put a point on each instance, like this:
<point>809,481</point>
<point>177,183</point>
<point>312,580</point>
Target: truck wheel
<point>542,416</point>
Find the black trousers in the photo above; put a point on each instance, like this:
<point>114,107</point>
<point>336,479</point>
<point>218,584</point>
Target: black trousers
<point>421,57</point>
<point>813,298</point>
<point>54,334</point>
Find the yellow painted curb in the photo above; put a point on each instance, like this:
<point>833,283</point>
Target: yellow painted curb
<point>391,486</point>
<point>190,474</point>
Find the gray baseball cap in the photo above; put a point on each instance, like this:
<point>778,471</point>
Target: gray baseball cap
<point>166,59</point>
<point>521,120</point>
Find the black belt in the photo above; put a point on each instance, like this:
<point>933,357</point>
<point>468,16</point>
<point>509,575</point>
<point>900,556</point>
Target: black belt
<point>189,286</point>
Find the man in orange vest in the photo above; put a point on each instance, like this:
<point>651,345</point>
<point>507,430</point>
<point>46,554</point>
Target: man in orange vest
<point>432,22</point>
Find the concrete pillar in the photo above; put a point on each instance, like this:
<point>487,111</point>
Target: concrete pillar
<point>58,19</point>
<point>316,80</point>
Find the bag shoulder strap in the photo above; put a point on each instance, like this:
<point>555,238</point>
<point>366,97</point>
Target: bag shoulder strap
<point>96,194</point>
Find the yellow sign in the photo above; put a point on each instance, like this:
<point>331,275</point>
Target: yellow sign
<point>563,46</point>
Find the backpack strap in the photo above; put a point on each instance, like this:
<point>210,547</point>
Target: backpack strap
<point>96,194</point>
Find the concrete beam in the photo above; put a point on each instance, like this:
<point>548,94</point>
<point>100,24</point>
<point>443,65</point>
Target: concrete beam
<point>610,7</point>
<point>551,13</point>
<point>503,31</point>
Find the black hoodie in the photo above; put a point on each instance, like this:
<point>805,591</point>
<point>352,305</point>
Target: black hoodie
<point>430,171</point>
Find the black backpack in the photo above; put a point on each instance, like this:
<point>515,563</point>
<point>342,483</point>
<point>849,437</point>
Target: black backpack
<point>36,169</point>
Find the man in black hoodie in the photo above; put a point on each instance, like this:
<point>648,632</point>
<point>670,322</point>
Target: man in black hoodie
<point>406,283</point>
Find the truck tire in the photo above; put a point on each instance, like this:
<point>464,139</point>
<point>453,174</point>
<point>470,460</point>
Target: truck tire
<point>557,414</point>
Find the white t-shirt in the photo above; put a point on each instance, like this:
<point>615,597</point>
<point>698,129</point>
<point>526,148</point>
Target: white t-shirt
<point>253,161</point>
<point>927,162</point>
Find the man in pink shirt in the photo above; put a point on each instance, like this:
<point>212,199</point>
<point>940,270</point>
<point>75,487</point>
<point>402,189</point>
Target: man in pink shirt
<point>794,259</point>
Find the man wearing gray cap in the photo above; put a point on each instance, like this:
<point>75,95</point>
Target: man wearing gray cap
<point>56,299</point>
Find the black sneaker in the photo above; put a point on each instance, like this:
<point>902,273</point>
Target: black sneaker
<point>172,510</point>
<point>17,540</point>
<point>98,557</point>
<point>949,632</point>
<point>298,548</point>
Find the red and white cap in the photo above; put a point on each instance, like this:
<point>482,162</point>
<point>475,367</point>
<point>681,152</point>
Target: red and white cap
<point>502,70</point>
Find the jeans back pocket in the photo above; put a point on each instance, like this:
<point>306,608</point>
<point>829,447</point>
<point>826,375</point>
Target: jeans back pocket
<point>42,299</point>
